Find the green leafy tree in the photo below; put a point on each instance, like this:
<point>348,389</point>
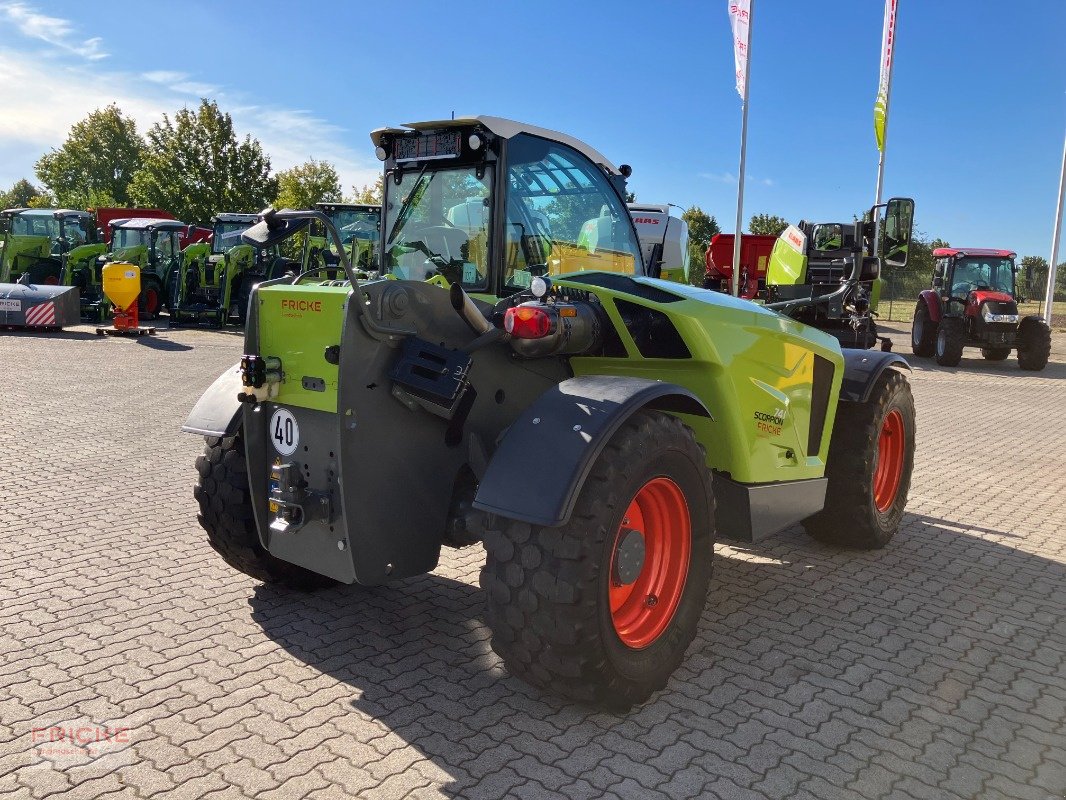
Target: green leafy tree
<point>701,227</point>
<point>196,167</point>
<point>1033,276</point>
<point>767,225</point>
<point>23,195</point>
<point>308,183</point>
<point>96,162</point>
<point>370,193</point>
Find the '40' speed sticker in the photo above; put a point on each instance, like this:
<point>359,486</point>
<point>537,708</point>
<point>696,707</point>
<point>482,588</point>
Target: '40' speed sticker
<point>284,432</point>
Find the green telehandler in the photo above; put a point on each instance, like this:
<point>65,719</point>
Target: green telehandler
<point>215,279</point>
<point>593,427</point>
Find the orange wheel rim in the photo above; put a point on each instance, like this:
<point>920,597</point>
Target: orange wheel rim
<point>642,610</point>
<point>890,448</point>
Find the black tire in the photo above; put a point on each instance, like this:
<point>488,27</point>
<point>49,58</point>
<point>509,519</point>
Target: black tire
<point>994,353</point>
<point>950,340</point>
<point>547,589</point>
<point>923,332</point>
<point>852,516</point>
<point>226,515</point>
<point>150,291</point>
<point>1034,343</point>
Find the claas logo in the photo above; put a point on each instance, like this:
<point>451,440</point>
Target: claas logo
<point>301,305</point>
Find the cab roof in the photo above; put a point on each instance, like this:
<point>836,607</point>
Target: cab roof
<point>56,213</point>
<point>229,216</point>
<point>348,206</point>
<point>141,223</point>
<point>945,252</point>
<point>505,128</point>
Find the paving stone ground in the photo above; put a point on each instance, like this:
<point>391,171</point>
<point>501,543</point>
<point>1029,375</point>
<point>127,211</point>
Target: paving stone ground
<point>935,668</point>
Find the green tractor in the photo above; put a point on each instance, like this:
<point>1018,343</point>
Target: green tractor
<point>47,245</point>
<point>216,279</point>
<point>593,427</point>
<point>359,226</point>
<point>829,274</point>
<point>154,245</point>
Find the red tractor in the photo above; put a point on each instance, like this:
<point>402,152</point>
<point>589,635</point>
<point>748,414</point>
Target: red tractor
<point>973,303</point>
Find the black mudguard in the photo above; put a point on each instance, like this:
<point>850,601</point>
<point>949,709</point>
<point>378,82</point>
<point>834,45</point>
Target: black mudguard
<point>862,368</point>
<point>218,411</point>
<point>538,470</point>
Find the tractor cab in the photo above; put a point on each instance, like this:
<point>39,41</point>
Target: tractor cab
<point>490,204</point>
<point>215,279</point>
<point>958,272</point>
<point>359,226</point>
<point>154,245</point>
<point>41,245</point>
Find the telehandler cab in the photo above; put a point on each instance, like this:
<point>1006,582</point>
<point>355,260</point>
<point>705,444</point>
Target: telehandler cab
<point>593,427</point>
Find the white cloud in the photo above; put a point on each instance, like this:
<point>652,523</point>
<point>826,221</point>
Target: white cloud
<point>74,88</point>
<point>56,31</point>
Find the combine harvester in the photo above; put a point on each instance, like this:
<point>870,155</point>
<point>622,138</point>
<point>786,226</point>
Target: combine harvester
<point>42,249</point>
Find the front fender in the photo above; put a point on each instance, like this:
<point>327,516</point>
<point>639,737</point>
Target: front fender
<point>862,368</point>
<point>218,411</point>
<point>932,302</point>
<point>538,470</point>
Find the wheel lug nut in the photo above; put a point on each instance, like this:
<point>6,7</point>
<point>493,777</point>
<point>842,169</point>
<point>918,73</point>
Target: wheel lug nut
<point>651,600</point>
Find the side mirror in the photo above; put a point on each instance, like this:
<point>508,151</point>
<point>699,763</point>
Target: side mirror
<point>896,235</point>
<point>938,282</point>
<point>272,230</point>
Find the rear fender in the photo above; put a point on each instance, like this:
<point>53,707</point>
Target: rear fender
<point>862,368</point>
<point>218,411</point>
<point>541,465</point>
<point>932,302</point>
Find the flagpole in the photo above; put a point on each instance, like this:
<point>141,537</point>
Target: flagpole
<point>1049,298</point>
<point>743,155</point>
<point>888,102</point>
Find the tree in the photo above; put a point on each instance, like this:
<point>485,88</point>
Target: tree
<point>96,162</point>
<point>371,193</point>
<point>24,195</point>
<point>701,227</point>
<point>767,225</point>
<point>308,183</point>
<point>195,167</point>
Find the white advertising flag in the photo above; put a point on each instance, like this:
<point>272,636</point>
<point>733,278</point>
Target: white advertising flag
<point>740,19</point>
<point>888,42</point>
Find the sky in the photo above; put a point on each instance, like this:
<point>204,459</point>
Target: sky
<point>975,135</point>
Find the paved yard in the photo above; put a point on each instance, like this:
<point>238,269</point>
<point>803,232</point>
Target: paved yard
<point>935,668</point>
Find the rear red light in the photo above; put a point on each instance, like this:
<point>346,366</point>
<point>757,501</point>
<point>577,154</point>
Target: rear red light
<point>527,322</point>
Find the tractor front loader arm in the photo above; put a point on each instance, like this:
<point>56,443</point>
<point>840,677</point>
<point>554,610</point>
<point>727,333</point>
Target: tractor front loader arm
<point>540,466</point>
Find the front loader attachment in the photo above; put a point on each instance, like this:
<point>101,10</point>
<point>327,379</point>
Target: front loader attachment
<point>29,305</point>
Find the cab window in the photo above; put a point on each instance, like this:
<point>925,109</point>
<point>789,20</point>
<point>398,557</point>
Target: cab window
<point>563,215</point>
